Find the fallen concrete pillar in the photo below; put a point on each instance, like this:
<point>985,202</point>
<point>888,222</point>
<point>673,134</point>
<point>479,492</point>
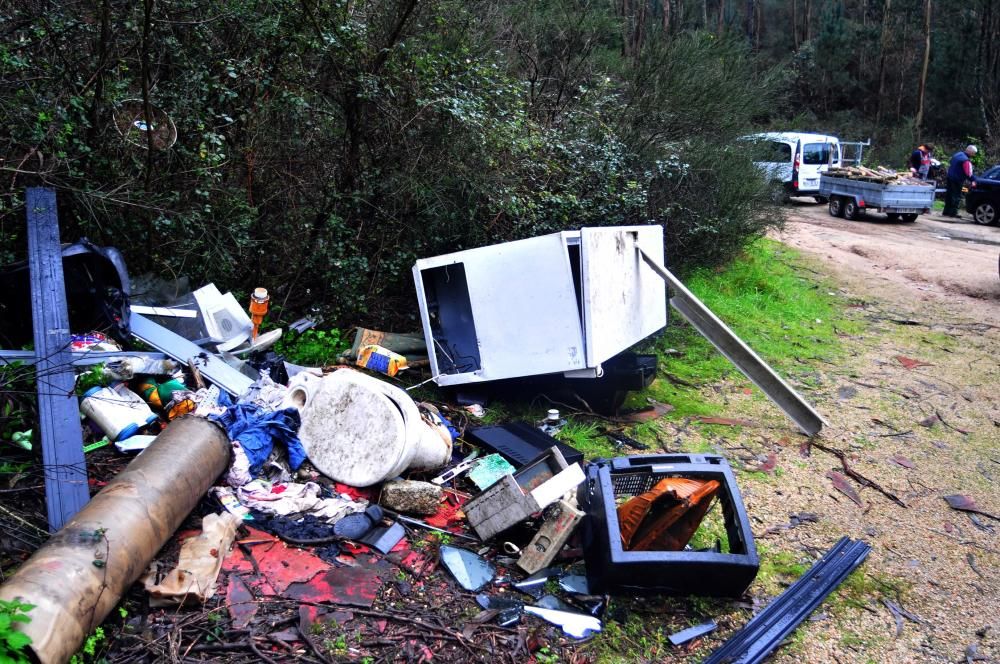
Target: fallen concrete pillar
<point>80,574</point>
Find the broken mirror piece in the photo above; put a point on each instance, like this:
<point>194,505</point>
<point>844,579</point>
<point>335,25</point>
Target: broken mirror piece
<point>553,602</point>
<point>692,633</point>
<point>576,625</point>
<point>575,583</point>
<point>496,602</point>
<point>534,585</point>
<point>471,570</point>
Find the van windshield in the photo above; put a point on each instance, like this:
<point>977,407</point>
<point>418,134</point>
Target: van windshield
<point>771,151</point>
<point>816,153</point>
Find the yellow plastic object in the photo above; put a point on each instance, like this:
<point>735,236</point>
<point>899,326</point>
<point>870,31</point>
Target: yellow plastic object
<point>381,359</point>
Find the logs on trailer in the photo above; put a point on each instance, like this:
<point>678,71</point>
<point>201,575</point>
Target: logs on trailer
<point>882,175</point>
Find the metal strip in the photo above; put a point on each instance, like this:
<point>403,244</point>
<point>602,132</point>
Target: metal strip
<point>737,352</point>
<point>179,348</point>
<point>58,410</point>
<point>82,358</point>
<point>765,631</point>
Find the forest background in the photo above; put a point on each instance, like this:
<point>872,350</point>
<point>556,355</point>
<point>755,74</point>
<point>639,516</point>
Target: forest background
<point>319,147</point>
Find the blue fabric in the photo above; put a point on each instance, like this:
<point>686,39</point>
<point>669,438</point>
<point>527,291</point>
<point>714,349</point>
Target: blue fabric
<point>956,169</point>
<point>257,430</point>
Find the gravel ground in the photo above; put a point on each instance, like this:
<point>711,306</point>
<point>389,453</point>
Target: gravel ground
<point>923,298</point>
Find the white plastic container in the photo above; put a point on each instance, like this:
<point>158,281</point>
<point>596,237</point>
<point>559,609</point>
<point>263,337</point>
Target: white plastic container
<point>117,410</point>
<point>361,431</point>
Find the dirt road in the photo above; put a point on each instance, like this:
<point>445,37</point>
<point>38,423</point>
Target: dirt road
<point>934,257</point>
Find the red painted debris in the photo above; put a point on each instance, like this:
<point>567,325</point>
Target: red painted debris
<point>413,562</point>
<point>351,586</point>
<point>910,363</point>
<point>240,601</point>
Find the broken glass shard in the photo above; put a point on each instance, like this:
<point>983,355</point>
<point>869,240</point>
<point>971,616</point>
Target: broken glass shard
<point>470,570</point>
<point>575,583</point>
<point>553,602</point>
<point>576,625</point>
<point>534,585</point>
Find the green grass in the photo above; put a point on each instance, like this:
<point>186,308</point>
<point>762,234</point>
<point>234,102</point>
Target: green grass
<point>772,299</point>
<point>588,439</point>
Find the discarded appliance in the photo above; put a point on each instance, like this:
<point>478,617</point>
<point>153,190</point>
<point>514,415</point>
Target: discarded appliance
<point>96,290</point>
<point>78,576</point>
<point>613,569</point>
<point>516,497</point>
<point>520,442</point>
<point>766,630</point>
<point>359,430</point>
<point>117,410</point>
<point>559,303</point>
<point>560,520</point>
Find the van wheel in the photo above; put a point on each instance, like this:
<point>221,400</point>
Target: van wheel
<point>851,210</point>
<point>909,218</point>
<point>836,206</point>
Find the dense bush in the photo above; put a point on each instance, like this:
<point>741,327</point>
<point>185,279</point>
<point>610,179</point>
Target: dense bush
<point>322,147</point>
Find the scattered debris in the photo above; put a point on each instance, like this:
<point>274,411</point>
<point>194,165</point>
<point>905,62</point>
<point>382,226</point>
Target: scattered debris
<point>576,625</point>
<point>766,630</point>
<point>724,421</point>
<point>766,466</point>
<point>841,484</point>
<point>901,460</point>
<point>471,570</point>
<point>692,633</point>
<point>411,497</point>
<point>193,580</point>
<point>898,613</point>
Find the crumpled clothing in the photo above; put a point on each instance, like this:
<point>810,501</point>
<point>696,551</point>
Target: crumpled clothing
<point>239,469</point>
<point>265,393</point>
<point>257,430</point>
<point>293,498</point>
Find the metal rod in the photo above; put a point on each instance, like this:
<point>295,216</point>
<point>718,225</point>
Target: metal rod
<point>737,352</point>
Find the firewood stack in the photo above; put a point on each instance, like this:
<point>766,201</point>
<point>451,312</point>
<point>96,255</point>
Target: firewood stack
<point>882,175</point>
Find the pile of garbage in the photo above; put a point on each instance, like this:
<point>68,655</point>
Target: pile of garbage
<point>322,480</point>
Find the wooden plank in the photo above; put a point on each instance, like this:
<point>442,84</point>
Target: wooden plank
<point>58,409</point>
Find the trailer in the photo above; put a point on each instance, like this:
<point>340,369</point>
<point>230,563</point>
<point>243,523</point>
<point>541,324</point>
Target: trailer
<point>851,198</point>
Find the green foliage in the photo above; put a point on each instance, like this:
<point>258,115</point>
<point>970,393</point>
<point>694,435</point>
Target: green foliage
<point>766,299</point>
<point>586,437</point>
<point>313,348</point>
<point>88,653</point>
<point>92,377</point>
<point>13,642</point>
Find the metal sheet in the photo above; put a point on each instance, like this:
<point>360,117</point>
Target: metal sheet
<point>80,358</point>
<point>737,352</point>
<point>524,310</point>
<point>58,410</point>
<point>624,300</point>
<point>179,348</point>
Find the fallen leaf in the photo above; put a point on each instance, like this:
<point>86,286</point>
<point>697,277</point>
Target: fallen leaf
<point>929,421</point>
<point>653,412</point>
<point>901,460</point>
<point>841,484</point>
<point>967,504</point>
<point>910,363</point>
<point>949,527</point>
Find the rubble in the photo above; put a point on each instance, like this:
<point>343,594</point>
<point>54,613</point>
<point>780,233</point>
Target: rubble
<point>411,497</point>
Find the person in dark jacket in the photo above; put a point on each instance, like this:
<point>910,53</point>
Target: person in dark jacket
<point>959,170</point>
<point>920,161</point>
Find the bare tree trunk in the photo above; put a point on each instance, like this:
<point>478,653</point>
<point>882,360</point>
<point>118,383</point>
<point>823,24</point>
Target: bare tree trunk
<point>667,16</point>
<point>984,37</point>
<point>751,11</point>
<point>704,14</point>
<point>808,27</point>
<point>760,26</point>
<point>883,48</point>
<point>921,89</point>
<point>722,17</point>
<point>795,26</point>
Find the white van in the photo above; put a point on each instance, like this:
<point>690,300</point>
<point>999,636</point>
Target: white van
<point>795,159</point>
